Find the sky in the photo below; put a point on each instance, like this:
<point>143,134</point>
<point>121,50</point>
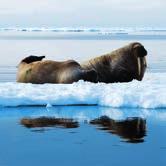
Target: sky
<point>82,13</point>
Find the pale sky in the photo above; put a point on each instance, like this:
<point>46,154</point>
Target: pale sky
<point>84,13</point>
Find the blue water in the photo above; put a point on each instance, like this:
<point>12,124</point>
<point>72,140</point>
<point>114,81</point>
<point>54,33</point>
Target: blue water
<point>79,135</point>
<point>86,144</point>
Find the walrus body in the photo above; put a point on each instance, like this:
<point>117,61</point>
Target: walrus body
<point>121,65</point>
<point>33,70</point>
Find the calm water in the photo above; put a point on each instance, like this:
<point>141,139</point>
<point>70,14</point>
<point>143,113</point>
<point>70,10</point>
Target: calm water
<point>80,135</point>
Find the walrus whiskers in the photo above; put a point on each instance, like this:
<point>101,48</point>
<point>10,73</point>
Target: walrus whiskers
<point>144,61</point>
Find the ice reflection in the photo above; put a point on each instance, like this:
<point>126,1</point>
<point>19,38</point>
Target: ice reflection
<point>82,113</point>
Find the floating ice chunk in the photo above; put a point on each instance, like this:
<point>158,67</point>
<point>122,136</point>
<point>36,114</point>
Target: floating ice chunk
<point>48,105</point>
<point>149,93</point>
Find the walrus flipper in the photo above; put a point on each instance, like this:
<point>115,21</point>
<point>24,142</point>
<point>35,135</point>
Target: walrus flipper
<point>32,58</point>
<point>90,75</point>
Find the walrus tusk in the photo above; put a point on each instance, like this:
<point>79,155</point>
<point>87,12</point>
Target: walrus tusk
<point>144,61</point>
<point>139,66</point>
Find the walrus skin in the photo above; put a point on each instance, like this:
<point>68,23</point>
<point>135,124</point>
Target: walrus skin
<point>121,65</point>
<point>33,70</point>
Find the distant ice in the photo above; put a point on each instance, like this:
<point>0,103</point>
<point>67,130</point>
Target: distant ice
<point>105,31</point>
<point>149,93</point>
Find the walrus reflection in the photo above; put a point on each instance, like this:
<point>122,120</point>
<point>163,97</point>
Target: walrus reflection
<point>122,65</point>
<point>49,122</point>
<point>131,130</point>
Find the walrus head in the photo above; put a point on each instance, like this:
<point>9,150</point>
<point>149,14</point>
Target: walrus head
<point>121,65</point>
<point>139,52</point>
<point>127,63</point>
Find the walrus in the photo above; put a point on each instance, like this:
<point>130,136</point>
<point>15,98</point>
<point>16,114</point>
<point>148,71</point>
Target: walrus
<point>33,69</point>
<point>122,65</point>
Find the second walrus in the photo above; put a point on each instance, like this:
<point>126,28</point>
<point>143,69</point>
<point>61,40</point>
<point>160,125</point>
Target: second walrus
<point>122,65</point>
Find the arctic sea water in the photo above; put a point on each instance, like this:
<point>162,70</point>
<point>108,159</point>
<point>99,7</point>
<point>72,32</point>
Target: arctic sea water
<point>121,104</point>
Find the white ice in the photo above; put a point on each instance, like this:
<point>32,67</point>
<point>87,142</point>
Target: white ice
<point>149,93</point>
<point>115,30</point>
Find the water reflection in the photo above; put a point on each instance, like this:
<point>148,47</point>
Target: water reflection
<point>131,130</point>
<point>111,120</point>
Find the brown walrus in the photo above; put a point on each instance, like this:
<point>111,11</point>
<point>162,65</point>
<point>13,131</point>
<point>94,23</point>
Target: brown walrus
<point>33,70</point>
<point>121,65</point>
